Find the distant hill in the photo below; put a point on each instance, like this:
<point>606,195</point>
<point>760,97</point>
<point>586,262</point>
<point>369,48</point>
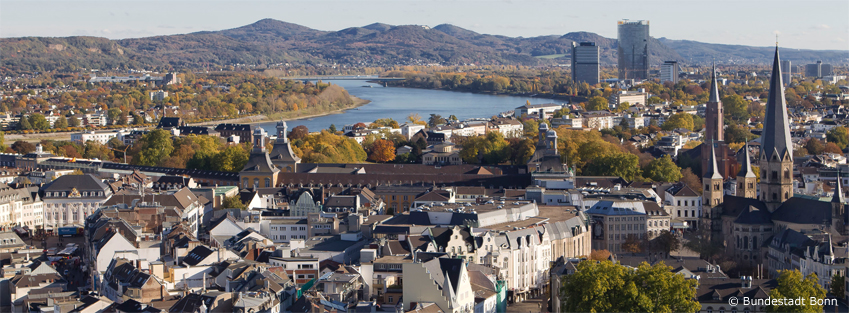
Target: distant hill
<point>271,41</point>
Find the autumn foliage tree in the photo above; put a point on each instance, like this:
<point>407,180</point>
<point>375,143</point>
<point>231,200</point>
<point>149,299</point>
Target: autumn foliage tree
<point>382,151</point>
<point>607,287</point>
<point>792,285</point>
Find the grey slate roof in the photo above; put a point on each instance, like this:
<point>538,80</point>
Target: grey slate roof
<point>776,131</point>
<point>803,211</point>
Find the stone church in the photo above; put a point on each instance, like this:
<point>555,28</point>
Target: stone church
<point>746,222</point>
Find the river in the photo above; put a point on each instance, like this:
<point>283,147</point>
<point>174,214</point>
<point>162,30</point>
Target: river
<point>398,103</point>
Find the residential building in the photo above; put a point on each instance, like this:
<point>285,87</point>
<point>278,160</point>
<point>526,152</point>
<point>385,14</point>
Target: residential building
<point>442,281</point>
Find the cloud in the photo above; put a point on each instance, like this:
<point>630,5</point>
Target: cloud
<point>822,26</point>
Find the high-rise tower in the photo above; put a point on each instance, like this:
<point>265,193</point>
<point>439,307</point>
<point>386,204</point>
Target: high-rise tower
<point>633,51</point>
<point>585,63</point>
<point>776,159</point>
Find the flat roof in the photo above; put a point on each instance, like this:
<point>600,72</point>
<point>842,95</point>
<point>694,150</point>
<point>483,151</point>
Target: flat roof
<point>557,213</point>
<point>508,226</point>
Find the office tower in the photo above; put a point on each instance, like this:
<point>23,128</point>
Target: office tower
<point>669,72</point>
<point>826,70</point>
<point>786,71</point>
<point>633,51</point>
<point>813,70</point>
<point>585,62</point>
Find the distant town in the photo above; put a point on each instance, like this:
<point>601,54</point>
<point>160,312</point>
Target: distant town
<point>635,188</point>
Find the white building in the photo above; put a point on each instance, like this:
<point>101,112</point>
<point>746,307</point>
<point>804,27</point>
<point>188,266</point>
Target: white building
<point>683,204</point>
<point>70,198</point>
<point>101,137</point>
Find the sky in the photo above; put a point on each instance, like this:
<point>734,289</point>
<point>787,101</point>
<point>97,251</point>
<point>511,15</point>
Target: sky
<point>801,24</point>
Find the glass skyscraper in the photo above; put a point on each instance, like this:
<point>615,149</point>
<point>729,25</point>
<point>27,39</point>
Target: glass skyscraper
<point>585,63</point>
<point>633,51</point>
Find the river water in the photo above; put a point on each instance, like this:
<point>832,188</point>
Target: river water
<point>398,103</point>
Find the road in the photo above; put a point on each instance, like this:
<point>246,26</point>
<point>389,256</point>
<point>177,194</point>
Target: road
<point>75,276</point>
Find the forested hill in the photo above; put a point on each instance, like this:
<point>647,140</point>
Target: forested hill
<point>270,41</point>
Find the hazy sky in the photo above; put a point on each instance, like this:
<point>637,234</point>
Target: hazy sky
<point>801,24</point>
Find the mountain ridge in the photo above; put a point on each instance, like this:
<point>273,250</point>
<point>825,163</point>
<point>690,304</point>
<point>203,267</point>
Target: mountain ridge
<point>270,41</point>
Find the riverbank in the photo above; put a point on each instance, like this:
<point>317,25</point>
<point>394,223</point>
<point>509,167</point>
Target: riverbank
<point>569,98</point>
<point>253,119</point>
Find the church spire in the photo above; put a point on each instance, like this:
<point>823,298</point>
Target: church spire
<point>713,172</point>
<point>776,131</point>
<point>746,169</point>
<point>714,88</point>
<point>838,191</point>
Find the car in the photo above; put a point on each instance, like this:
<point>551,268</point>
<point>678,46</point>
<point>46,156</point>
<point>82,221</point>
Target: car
<point>66,272</point>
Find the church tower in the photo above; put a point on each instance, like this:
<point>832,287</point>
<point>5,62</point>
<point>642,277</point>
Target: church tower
<point>715,131</point>
<point>712,180</point>
<point>282,154</point>
<point>776,159</point>
<point>838,207</point>
<point>746,179</point>
<point>714,123</point>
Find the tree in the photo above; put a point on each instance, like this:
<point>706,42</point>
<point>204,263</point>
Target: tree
<point>23,147</point>
<point>632,244</point>
<point>298,132</point>
<point>839,136</point>
<point>608,287</point>
<point>415,118</point>
<point>2,141</point>
<point>233,203</point>
<point>73,121</point>
<point>679,120</point>
<point>599,255</point>
<point>814,146</point>
<point>691,180</point>
<point>667,242</point>
<point>382,151</point>
<point>597,104</point>
<point>791,285</point>
<point>735,108</point>
<point>332,128</point>
<point>453,117</point>
<point>155,146</point>
<point>736,133</point>
<point>60,123</point>
<point>838,285</point>
<point>113,115</point>
<point>39,122</point>
<point>662,170</point>
<point>832,148</point>
<point>622,107</point>
<point>23,124</point>
<point>435,119</point>
<point>620,164</point>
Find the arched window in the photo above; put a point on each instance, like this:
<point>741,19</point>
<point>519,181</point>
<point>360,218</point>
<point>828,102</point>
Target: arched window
<point>746,242</point>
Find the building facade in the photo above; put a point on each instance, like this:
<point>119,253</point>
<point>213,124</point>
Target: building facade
<point>633,49</point>
<point>585,63</point>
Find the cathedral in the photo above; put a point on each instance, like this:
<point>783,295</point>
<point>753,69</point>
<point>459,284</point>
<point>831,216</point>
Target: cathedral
<point>747,221</point>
